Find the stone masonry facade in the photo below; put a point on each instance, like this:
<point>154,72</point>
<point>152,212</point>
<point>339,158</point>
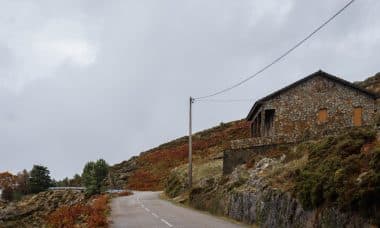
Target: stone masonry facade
<point>316,106</point>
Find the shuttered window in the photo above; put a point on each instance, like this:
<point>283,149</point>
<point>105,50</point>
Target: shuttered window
<point>358,113</point>
<point>322,115</point>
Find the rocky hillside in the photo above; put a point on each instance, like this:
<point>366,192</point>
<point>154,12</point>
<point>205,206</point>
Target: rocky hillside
<point>149,170</point>
<point>33,210</point>
<point>372,83</point>
<point>331,182</point>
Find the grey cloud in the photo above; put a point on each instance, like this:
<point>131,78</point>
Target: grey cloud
<point>150,57</point>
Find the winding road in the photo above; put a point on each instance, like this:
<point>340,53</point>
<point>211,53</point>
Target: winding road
<point>146,209</point>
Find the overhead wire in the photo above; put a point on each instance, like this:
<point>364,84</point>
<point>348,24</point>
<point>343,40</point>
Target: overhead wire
<point>226,100</point>
<point>286,53</point>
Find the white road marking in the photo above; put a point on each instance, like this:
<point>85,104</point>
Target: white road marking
<point>155,215</point>
<point>166,222</point>
<point>147,209</point>
<point>142,205</point>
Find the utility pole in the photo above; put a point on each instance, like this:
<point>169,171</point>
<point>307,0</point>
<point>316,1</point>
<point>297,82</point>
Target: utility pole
<point>190,144</point>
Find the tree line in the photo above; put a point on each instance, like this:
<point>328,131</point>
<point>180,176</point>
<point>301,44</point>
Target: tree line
<point>38,179</point>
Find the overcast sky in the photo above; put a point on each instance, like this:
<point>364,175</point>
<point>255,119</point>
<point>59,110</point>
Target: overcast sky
<point>84,79</point>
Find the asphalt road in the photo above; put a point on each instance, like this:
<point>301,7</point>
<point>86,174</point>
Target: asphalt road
<point>146,209</point>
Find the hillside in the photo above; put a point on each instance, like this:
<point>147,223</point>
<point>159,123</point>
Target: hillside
<point>372,83</point>
<point>63,208</point>
<point>153,166</point>
<point>329,182</point>
<point>32,210</point>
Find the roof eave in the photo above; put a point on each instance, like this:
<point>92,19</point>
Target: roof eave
<point>252,111</point>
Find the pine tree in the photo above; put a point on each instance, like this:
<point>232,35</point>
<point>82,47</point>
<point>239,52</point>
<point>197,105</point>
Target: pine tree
<point>93,176</point>
<point>39,179</point>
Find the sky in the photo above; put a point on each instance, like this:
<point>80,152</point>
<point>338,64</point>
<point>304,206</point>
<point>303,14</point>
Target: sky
<point>82,79</point>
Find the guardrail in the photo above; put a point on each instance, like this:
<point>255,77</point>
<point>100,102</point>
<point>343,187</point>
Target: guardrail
<point>67,188</point>
<point>82,189</point>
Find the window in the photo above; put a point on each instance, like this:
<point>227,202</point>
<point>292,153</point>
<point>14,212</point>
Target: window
<point>322,115</point>
<point>269,122</point>
<point>358,112</point>
<point>256,126</point>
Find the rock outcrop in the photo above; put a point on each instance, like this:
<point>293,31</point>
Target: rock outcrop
<point>258,203</point>
<point>121,172</point>
<point>247,195</point>
<point>32,210</point>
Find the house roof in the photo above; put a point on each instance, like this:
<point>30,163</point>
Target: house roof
<point>319,73</point>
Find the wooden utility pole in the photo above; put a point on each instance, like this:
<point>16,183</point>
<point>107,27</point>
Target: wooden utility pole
<point>190,144</point>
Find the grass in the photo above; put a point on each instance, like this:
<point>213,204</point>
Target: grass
<point>177,180</point>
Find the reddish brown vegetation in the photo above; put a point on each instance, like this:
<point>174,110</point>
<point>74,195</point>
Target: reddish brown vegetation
<point>125,193</point>
<point>155,165</point>
<point>7,180</point>
<point>93,214</point>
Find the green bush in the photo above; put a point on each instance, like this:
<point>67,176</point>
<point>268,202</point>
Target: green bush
<point>349,146</point>
<point>375,161</point>
<point>93,176</point>
<point>173,185</point>
<point>331,174</point>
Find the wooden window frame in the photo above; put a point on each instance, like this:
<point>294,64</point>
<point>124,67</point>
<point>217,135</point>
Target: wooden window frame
<point>323,116</point>
<point>357,121</point>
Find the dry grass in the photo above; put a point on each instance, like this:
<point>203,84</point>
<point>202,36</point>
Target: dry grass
<point>280,176</point>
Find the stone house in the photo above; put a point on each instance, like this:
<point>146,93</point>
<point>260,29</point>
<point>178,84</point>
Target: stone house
<point>317,105</point>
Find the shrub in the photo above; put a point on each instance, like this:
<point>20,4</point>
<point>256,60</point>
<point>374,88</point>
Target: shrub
<point>250,163</point>
<point>7,194</point>
<point>125,193</point>
<point>332,171</point>
<point>375,160</point>
<point>349,146</point>
<point>93,176</point>
<point>174,185</point>
<point>98,212</point>
<point>93,215</point>
<point>68,216</point>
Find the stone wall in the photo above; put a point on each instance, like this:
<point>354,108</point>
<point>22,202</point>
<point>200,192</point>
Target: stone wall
<point>259,142</point>
<point>234,157</point>
<point>250,143</point>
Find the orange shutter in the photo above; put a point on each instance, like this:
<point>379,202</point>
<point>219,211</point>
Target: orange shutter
<point>322,116</point>
<point>358,116</point>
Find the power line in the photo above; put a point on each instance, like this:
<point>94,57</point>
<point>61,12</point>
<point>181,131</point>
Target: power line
<point>281,56</point>
<point>226,100</point>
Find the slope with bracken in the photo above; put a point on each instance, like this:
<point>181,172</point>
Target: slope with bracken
<point>149,170</point>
